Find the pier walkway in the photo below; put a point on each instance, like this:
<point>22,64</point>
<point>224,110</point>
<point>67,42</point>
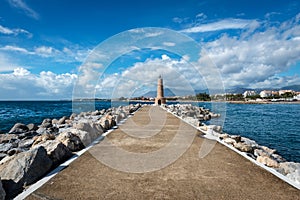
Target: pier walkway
<point>222,174</point>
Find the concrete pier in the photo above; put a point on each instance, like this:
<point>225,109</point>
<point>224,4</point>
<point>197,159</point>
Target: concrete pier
<point>222,174</point>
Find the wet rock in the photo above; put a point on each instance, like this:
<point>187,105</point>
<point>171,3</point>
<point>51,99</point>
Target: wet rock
<point>2,191</point>
<point>5,147</point>
<point>18,128</point>
<point>243,147</point>
<point>56,151</point>
<point>267,161</point>
<point>32,127</point>
<point>70,140</point>
<point>24,169</point>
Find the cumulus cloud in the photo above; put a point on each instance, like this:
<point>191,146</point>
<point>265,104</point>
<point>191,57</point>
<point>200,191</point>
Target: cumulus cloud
<point>21,5</point>
<point>22,84</point>
<point>256,60</point>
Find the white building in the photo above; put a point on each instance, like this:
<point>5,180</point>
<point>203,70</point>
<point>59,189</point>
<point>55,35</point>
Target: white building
<point>249,93</point>
<point>297,97</point>
<point>265,93</point>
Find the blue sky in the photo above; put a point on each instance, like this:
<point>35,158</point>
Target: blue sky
<point>43,43</point>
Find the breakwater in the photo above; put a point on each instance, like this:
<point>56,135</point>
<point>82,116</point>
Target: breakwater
<point>262,154</point>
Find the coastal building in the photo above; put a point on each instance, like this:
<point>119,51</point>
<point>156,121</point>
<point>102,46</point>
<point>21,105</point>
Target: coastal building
<point>249,93</point>
<point>281,92</point>
<point>266,93</point>
<point>160,99</point>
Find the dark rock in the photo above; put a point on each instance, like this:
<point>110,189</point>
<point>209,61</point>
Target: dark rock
<point>237,138</point>
<point>24,169</point>
<point>2,191</point>
<point>14,151</point>
<point>32,127</point>
<point>2,155</point>
<point>19,128</point>
<point>5,147</point>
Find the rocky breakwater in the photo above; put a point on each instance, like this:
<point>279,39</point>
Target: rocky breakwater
<point>262,154</point>
<point>28,152</point>
<point>191,114</point>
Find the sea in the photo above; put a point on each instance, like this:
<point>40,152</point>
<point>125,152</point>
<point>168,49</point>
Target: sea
<point>276,126</point>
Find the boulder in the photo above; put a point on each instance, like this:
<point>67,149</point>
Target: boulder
<point>19,128</point>
<point>267,161</point>
<point>229,141</point>
<point>72,117</point>
<point>71,141</point>
<point>223,136</point>
<point>5,147</point>
<point>43,138</point>
<point>243,147</point>
<point>5,138</point>
<point>47,123</point>
<point>289,167</point>
<point>85,137</point>
<point>24,169</point>
<point>54,121</point>
<point>237,138</point>
<point>56,151</point>
<point>2,192</point>
<point>62,120</point>
<point>32,127</point>
<point>23,144</point>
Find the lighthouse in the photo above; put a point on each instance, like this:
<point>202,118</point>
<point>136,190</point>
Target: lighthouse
<point>160,99</point>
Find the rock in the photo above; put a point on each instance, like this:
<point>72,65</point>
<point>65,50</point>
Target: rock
<point>289,167</point>
<point>5,138</point>
<point>41,130</point>
<point>229,141</point>
<point>2,155</point>
<point>260,152</point>
<point>24,169</point>
<point>43,138</point>
<point>72,117</point>
<point>5,147</point>
<point>94,130</point>
<point>71,141</point>
<point>267,161</point>
<point>14,151</point>
<point>237,138</point>
<point>62,120</point>
<point>32,127</point>
<point>47,123</point>
<point>56,151</point>
<point>25,143</point>
<point>249,142</point>
<point>223,136</point>
<point>268,150</point>
<point>85,137</point>
<point>2,192</point>
<point>54,121</point>
<point>243,147</point>
<point>19,128</point>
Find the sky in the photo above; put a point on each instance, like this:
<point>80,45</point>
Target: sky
<point>46,47</point>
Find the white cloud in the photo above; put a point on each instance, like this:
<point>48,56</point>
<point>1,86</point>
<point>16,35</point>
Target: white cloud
<point>16,49</point>
<point>20,4</point>
<point>21,84</point>
<point>258,59</point>
<point>16,31</point>
<point>220,25</point>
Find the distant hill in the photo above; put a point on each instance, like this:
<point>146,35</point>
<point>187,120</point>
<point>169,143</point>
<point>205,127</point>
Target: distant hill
<point>167,93</point>
<point>292,87</point>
